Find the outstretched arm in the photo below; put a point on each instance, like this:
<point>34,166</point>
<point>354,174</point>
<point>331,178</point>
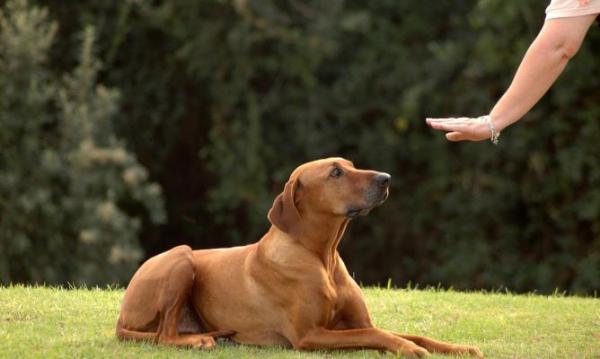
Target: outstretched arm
<point>558,41</point>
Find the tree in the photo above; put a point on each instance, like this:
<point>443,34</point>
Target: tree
<point>222,99</point>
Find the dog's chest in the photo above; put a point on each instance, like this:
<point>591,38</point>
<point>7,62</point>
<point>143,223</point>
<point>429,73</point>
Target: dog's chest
<point>332,298</point>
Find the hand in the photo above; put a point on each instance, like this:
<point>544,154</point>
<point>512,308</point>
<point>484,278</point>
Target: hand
<point>462,128</point>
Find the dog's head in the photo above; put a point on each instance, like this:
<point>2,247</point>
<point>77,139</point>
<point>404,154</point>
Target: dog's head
<point>328,187</point>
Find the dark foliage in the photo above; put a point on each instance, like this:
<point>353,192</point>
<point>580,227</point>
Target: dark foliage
<point>221,100</point>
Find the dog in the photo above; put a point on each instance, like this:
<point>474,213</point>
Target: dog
<point>290,289</point>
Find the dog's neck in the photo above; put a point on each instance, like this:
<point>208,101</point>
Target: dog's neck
<point>320,236</point>
<point>325,240</point>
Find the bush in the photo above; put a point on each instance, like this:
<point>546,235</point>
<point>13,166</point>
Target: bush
<point>72,197</point>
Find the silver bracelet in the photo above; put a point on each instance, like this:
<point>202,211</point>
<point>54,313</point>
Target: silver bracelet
<point>495,135</point>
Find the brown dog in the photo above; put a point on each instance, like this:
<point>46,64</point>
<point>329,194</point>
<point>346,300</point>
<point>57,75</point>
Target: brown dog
<point>291,288</point>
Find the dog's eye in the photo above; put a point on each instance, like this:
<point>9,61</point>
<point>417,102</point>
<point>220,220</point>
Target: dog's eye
<point>336,172</point>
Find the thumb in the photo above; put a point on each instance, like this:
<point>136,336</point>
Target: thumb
<point>455,136</point>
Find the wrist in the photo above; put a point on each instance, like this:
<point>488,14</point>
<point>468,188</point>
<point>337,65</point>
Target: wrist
<point>494,133</point>
<point>499,120</point>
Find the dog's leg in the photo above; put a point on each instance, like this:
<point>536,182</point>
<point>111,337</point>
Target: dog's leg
<point>174,297</point>
<point>355,316</point>
<point>162,288</point>
<point>436,346</point>
<point>371,338</point>
<point>432,345</point>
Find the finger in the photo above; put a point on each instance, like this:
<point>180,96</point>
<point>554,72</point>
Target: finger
<point>455,136</point>
<point>449,121</point>
<point>440,120</point>
<point>448,127</point>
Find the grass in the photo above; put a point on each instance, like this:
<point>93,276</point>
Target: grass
<point>51,322</point>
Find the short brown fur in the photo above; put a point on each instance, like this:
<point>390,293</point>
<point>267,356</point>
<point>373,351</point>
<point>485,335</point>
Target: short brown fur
<point>291,288</point>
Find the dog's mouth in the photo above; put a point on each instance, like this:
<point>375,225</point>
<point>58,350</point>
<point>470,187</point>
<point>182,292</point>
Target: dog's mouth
<point>357,211</point>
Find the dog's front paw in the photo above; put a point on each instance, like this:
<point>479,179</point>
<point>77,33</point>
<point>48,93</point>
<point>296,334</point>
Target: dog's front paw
<point>468,350</point>
<point>413,351</point>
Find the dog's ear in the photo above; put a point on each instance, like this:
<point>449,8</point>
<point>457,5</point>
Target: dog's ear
<point>284,213</point>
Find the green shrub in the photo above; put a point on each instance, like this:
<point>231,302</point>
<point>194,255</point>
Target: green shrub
<point>72,197</point>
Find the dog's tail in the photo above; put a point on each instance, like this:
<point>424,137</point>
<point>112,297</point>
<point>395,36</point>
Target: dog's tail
<point>126,334</point>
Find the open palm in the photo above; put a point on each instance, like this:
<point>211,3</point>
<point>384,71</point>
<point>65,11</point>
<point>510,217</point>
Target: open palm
<point>461,128</point>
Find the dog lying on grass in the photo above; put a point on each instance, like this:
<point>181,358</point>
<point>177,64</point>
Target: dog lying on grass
<point>291,288</point>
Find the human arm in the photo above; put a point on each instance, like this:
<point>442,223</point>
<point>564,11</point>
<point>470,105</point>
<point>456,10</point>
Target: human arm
<point>558,41</point>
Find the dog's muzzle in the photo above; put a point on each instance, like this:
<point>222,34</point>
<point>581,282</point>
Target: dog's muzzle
<point>375,195</point>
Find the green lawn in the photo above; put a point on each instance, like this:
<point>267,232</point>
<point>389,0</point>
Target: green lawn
<point>50,322</point>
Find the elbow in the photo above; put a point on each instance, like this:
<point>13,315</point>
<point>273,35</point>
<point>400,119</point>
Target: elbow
<point>568,52</point>
<point>568,48</point>
<point>559,48</point>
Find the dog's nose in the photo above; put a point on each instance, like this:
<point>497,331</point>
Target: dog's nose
<point>383,180</point>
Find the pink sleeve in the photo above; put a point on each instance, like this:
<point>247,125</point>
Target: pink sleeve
<point>571,8</point>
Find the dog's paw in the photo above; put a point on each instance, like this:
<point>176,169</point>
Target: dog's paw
<point>413,351</point>
<point>474,351</point>
<point>205,342</point>
<point>469,350</point>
